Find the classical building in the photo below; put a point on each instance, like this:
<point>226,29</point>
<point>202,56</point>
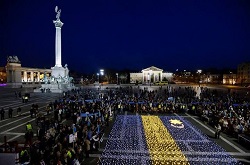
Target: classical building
<point>229,79</point>
<point>211,78</point>
<point>18,76</point>
<point>243,73</point>
<point>150,75</point>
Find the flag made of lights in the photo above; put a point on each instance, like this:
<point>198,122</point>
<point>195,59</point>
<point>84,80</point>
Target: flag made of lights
<point>146,140</point>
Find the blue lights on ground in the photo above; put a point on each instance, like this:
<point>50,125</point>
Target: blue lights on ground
<point>127,143</point>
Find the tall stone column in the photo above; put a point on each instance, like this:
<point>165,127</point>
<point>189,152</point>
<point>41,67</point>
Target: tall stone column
<point>142,78</point>
<point>25,76</point>
<point>58,25</point>
<point>12,76</point>
<point>31,76</point>
<point>38,76</point>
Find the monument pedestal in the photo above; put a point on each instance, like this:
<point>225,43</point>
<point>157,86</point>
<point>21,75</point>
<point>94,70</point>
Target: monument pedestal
<point>55,88</point>
<point>59,72</point>
<point>59,81</point>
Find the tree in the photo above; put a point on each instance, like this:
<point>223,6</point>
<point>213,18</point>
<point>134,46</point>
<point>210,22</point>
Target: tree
<point>164,79</point>
<point>123,77</point>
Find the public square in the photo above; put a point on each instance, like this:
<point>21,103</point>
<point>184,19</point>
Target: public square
<point>157,83</point>
<point>15,128</point>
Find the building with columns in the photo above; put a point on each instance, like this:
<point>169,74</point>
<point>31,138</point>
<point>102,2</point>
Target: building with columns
<point>18,76</point>
<point>229,79</point>
<point>150,75</point>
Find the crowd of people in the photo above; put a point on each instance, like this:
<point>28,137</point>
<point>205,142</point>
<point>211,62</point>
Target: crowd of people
<point>90,112</point>
<point>228,109</point>
<point>60,141</point>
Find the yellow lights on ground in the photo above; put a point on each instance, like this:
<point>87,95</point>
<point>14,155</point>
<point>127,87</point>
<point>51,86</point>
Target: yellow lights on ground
<point>162,148</point>
<point>176,123</point>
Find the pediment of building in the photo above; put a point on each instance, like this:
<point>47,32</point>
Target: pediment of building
<point>152,68</point>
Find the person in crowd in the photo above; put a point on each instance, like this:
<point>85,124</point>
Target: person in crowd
<point>2,112</point>
<point>24,156</point>
<point>28,134</point>
<point>10,112</point>
<point>217,131</point>
<point>31,112</point>
<point>19,111</point>
<point>87,146</point>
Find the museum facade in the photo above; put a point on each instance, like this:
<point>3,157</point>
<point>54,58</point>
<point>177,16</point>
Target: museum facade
<point>150,75</point>
<point>18,76</point>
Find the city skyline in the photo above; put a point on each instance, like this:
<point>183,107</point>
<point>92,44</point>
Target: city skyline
<point>128,35</point>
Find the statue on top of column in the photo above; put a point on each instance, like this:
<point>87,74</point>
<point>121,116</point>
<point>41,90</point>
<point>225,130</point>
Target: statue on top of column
<point>13,59</point>
<point>58,13</point>
<point>58,22</point>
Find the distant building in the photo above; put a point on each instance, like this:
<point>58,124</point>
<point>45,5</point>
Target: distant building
<point>185,77</point>
<point>18,76</point>
<point>150,75</point>
<point>229,79</point>
<point>243,73</point>
<point>211,78</point>
<point>3,77</point>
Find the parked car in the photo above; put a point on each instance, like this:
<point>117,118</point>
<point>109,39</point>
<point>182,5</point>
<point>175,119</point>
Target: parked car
<point>161,83</point>
<point>96,83</point>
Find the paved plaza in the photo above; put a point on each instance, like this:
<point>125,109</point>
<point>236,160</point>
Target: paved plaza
<point>14,128</point>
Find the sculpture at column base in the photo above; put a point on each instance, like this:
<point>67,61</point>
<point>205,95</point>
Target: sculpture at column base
<point>59,81</point>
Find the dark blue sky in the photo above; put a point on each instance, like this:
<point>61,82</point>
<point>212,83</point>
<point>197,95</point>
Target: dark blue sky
<point>118,34</point>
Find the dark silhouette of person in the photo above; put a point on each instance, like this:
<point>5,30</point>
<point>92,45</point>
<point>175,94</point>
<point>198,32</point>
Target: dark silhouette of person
<point>2,114</point>
<point>10,112</point>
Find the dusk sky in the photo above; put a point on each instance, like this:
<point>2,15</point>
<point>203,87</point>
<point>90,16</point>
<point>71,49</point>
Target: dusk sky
<point>132,34</point>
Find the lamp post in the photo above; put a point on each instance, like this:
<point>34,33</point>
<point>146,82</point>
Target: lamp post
<point>232,77</point>
<point>148,78</point>
<point>117,78</point>
<point>199,72</point>
<point>98,77</point>
<point>101,73</point>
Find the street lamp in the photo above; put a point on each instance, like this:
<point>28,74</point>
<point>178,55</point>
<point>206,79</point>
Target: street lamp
<point>98,77</point>
<point>117,78</point>
<point>148,78</point>
<point>199,72</point>
<point>232,77</point>
<point>102,72</point>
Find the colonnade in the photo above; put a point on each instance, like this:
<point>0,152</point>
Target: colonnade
<point>16,74</point>
<point>33,76</point>
<point>150,77</point>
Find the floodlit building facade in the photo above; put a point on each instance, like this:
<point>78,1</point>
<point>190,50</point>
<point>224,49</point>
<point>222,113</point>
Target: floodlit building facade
<point>211,78</point>
<point>229,79</point>
<point>18,76</point>
<point>150,75</point>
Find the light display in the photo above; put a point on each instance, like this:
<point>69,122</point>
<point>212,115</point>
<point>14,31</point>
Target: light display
<point>139,140</point>
<point>161,145</point>
<point>195,145</point>
<point>176,123</point>
<point>126,143</point>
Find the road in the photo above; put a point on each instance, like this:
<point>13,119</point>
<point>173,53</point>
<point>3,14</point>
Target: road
<point>14,128</point>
